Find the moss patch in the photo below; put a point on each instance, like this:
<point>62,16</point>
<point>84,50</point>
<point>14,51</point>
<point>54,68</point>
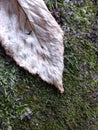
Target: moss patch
<point>77,108</point>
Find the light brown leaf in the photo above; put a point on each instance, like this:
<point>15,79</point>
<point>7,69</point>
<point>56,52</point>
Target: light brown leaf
<point>30,35</point>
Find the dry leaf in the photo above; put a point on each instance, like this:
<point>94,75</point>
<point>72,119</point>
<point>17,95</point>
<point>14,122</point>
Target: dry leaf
<point>32,37</point>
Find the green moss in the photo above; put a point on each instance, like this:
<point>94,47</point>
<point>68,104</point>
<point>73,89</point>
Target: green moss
<point>77,108</point>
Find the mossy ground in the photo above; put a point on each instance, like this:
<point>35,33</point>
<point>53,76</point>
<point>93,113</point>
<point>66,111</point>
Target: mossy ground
<point>77,108</point>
